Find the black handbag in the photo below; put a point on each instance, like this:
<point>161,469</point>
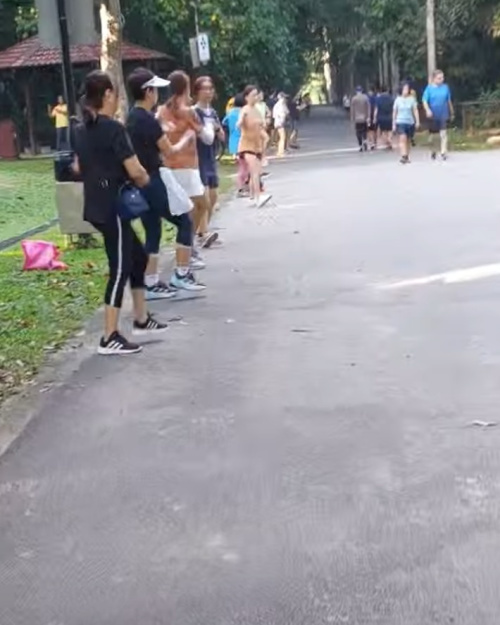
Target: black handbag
<point>131,203</point>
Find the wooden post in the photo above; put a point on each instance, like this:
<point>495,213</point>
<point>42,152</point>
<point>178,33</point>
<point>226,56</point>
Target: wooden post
<point>30,120</point>
<point>431,37</point>
<point>111,49</point>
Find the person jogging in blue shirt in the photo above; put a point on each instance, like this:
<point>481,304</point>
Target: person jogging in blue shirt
<point>439,109</point>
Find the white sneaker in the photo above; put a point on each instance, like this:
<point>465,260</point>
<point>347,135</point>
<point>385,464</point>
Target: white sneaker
<point>186,283</point>
<point>197,264</point>
<point>263,200</point>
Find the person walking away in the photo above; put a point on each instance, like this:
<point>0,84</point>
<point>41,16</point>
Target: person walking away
<point>306,100</point>
<point>384,105</point>
<point>439,110</point>
<point>252,144</point>
<point>151,146</point>
<point>346,103</point>
<point>280,116</point>
<point>61,120</point>
<point>360,116</point>
<point>106,161</point>
<point>204,92</point>
<point>405,120</point>
<point>231,121</point>
<point>295,108</point>
<point>177,117</point>
<point>372,127</point>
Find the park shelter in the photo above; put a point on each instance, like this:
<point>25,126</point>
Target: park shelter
<point>29,64</point>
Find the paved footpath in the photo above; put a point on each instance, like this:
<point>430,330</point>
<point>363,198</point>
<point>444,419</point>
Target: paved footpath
<point>301,451</point>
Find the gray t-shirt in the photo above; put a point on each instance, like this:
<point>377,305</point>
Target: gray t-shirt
<point>404,109</point>
<point>360,108</point>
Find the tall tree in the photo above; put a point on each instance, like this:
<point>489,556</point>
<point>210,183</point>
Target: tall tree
<point>111,44</point>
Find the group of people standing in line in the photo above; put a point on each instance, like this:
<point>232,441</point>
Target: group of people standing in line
<point>377,115</point>
<point>177,137</point>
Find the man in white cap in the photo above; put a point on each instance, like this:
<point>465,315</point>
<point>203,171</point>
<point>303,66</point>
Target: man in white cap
<point>151,144</point>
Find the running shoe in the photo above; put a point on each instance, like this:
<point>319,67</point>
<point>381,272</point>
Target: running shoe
<point>186,283</point>
<point>263,200</point>
<point>242,193</point>
<point>265,174</point>
<point>207,240</point>
<point>444,157</point>
<point>117,345</point>
<point>159,291</point>
<point>404,160</point>
<point>434,156</point>
<point>150,326</point>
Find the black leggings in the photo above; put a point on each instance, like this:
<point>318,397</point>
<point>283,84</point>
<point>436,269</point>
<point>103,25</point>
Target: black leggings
<point>361,133</point>
<point>157,198</point>
<point>126,258</point>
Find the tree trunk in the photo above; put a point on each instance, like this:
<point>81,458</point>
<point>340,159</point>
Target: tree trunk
<point>385,63</point>
<point>431,37</point>
<point>394,69</point>
<point>111,49</point>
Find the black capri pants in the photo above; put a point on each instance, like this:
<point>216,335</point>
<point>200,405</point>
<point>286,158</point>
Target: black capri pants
<point>127,258</point>
<point>156,196</point>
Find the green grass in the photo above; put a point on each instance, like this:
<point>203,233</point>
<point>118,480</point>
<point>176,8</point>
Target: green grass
<point>460,141</point>
<point>27,195</point>
<point>39,311</point>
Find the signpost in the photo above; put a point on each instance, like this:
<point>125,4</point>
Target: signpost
<point>203,48</point>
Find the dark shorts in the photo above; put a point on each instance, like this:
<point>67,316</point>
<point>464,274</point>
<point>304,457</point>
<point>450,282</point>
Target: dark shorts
<point>406,129</point>
<point>385,125</point>
<point>209,179</point>
<point>437,125</point>
<point>257,154</point>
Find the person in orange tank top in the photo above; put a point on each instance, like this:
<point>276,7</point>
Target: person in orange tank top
<point>177,118</point>
<point>253,143</point>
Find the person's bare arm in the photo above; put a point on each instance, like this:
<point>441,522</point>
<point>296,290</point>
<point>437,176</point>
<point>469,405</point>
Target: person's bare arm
<point>241,120</point>
<point>394,114</point>
<point>416,115</point>
<point>166,147</point>
<point>452,108</point>
<point>75,165</point>
<point>136,171</point>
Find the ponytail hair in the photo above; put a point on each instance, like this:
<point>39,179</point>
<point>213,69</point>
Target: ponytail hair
<point>179,86</point>
<point>97,83</point>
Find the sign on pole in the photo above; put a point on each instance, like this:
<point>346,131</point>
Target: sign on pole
<point>203,48</point>
<point>193,48</point>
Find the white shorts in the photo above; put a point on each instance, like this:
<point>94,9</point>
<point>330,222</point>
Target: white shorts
<point>190,181</point>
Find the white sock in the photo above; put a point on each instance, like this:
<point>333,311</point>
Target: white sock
<point>182,271</point>
<point>151,279</point>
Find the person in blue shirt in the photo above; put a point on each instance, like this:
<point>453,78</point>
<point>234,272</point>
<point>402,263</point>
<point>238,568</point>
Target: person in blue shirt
<point>405,120</point>
<point>439,109</point>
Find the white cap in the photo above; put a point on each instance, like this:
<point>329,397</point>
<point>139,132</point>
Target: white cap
<point>157,82</point>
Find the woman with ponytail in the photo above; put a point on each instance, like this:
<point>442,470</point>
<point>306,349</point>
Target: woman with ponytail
<point>106,162</point>
<point>177,117</point>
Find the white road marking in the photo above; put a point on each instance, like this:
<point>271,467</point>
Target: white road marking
<point>449,277</point>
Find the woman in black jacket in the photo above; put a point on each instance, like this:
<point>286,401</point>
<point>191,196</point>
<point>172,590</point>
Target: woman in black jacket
<point>106,161</point>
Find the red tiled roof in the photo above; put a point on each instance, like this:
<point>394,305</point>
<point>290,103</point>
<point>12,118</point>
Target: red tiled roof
<point>31,53</point>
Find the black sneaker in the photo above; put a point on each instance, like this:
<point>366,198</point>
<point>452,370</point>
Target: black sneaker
<point>404,160</point>
<point>433,156</point>
<point>117,345</point>
<point>444,157</point>
<point>150,326</point>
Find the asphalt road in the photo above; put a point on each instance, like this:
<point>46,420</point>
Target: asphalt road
<point>301,449</point>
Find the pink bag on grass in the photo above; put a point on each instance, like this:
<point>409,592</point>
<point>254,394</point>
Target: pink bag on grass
<point>41,255</point>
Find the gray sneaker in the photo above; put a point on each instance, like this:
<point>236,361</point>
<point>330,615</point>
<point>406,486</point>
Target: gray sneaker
<point>186,283</point>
